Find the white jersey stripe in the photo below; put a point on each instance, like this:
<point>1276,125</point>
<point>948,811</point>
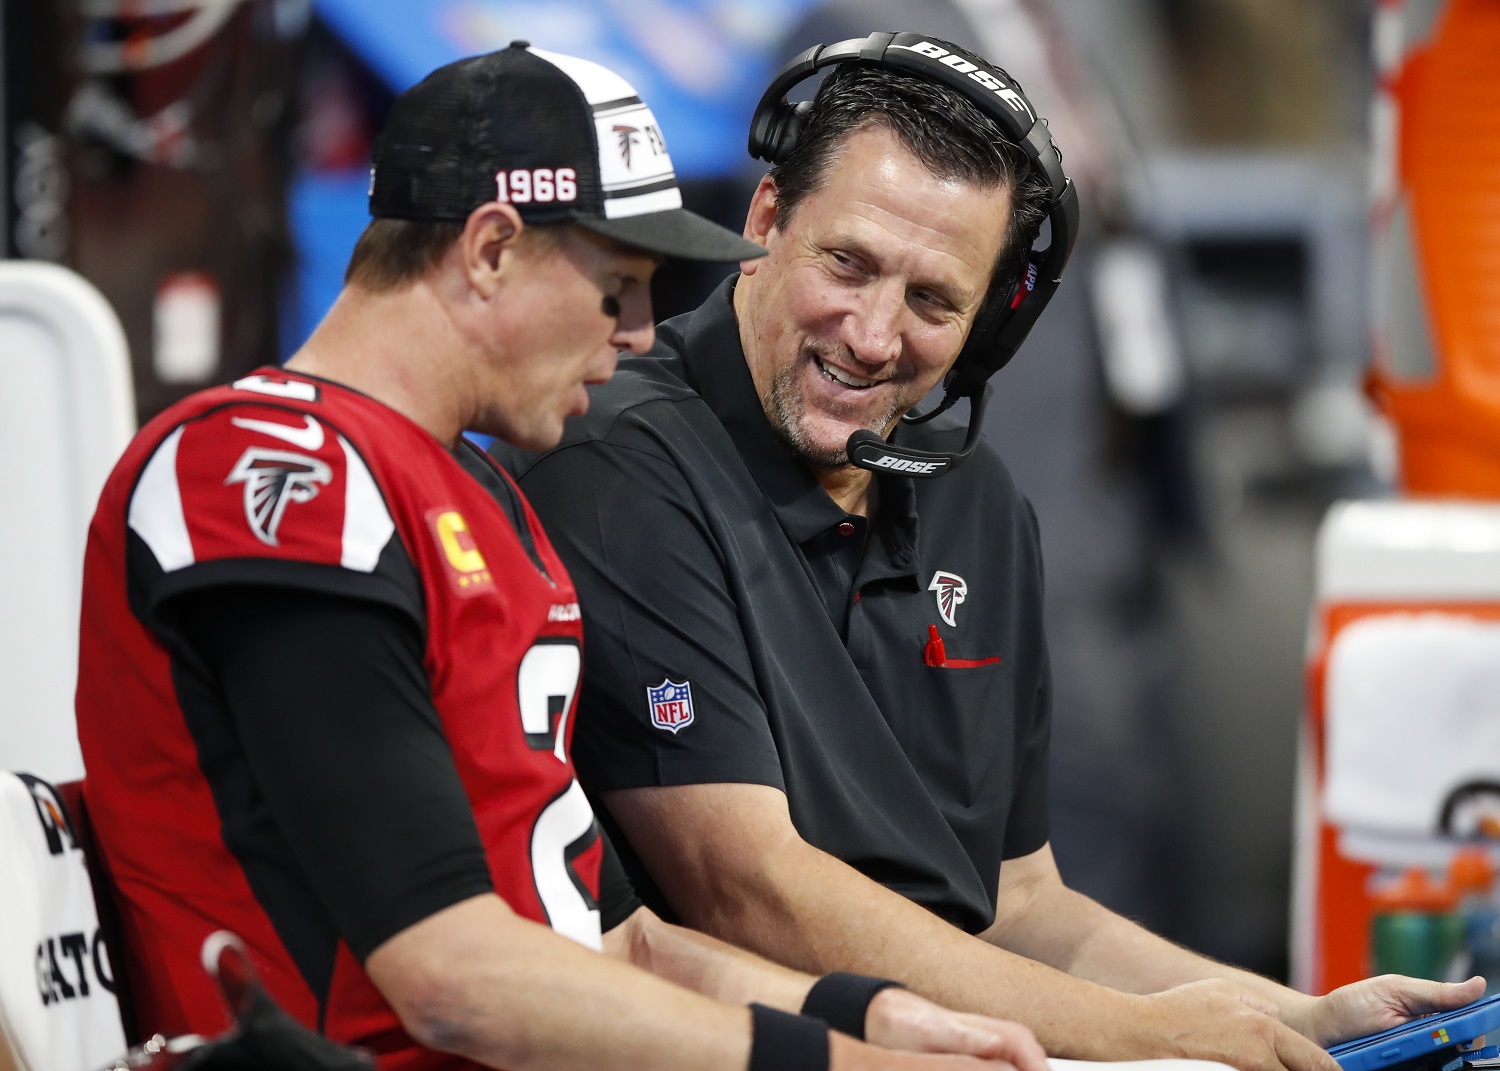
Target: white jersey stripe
<point>367,523</point>
<point>156,508</point>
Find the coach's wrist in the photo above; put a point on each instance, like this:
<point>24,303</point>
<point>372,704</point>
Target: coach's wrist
<point>843,1000</point>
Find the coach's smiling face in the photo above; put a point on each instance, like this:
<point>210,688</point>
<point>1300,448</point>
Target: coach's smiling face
<point>865,298</point>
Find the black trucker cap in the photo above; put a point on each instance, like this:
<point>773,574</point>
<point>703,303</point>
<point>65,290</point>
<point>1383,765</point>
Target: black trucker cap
<point>558,137</point>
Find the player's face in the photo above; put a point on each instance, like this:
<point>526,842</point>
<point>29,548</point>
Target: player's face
<point>582,300</point>
<point>863,302</point>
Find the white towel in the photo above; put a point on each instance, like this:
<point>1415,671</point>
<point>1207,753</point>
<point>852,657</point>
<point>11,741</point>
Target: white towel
<point>1413,717</point>
<point>57,1005</point>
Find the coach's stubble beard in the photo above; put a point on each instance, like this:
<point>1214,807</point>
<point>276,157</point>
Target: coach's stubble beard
<point>786,408</point>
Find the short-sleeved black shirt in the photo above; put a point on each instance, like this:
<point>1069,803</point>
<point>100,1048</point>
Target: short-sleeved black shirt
<point>706,555</point>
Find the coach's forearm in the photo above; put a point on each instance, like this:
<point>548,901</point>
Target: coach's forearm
<point>732,865</point>
<point>814,912</point>
<point>1039,917</point>
<point>894,1019</point>
<point>1118,953</point>
<point>706,964</point>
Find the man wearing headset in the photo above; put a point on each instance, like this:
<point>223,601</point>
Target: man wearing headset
<point>328,655</point>
<point>816,700</point>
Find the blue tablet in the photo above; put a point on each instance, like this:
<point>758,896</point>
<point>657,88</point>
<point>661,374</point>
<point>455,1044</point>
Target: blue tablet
<point>1443,1035</point>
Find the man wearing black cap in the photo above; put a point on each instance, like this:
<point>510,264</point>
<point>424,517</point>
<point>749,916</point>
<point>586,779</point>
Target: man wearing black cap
<point>816,700</point>
<point>329,658</point>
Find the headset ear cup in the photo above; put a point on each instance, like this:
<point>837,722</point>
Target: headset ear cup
<point>790,123</point>
<point>981,356</point>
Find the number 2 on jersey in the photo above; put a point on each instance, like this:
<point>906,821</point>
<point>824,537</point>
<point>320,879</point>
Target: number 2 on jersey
<point>546,684</point>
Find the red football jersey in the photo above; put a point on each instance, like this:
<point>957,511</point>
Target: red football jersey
<point>287,480</point>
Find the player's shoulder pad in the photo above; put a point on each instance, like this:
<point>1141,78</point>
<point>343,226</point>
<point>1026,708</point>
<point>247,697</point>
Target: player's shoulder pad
<point>259,475</point>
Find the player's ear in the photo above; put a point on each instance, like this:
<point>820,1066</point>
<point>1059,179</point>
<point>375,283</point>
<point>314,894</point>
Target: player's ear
<point>489,236</point>
<point>760,221</point>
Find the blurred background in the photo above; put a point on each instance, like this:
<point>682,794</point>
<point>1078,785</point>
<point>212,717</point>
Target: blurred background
<point>1182,418</point>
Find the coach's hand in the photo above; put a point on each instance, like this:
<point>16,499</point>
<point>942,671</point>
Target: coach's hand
<point>899,1019</point>
<point>1220,1020</point>
<point>1379,1003</point>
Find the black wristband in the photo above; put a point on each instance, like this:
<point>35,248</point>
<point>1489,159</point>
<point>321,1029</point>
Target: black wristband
<point>841,1000</point>
<point>780,1041</point>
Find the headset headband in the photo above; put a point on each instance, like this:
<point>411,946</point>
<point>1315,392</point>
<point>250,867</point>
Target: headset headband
<point>1012,304</point>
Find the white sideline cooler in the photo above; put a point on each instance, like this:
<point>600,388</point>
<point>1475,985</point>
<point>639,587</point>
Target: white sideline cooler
<point>1400,755</point>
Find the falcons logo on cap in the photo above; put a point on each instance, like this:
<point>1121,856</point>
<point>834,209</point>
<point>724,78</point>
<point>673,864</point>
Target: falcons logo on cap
<point>272,478</point>
<point>951,590</point>
<point>626,135</point>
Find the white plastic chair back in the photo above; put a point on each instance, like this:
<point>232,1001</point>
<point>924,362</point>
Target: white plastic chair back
<point>66,412</point>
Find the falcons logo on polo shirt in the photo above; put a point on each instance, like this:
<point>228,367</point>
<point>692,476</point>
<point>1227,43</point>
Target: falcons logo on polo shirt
<point>272,479</point>
<point>951,590</point>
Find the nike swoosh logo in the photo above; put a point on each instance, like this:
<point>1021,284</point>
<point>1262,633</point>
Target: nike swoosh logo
<point>308,438</point>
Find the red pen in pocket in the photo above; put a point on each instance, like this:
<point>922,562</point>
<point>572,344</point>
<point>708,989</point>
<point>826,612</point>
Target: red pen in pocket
<point>935,654</point>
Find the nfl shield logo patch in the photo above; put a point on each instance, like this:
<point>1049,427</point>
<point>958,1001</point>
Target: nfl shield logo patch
<point>671,705</point>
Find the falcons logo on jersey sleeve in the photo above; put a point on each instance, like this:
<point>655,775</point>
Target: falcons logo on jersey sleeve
<point>272,479</point>
<point>951,590</point>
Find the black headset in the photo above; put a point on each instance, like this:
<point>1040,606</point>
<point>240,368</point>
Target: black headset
<point>1013,304</point>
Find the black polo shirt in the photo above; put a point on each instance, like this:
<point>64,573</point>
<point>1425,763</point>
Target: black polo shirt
<point>706,556</point>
